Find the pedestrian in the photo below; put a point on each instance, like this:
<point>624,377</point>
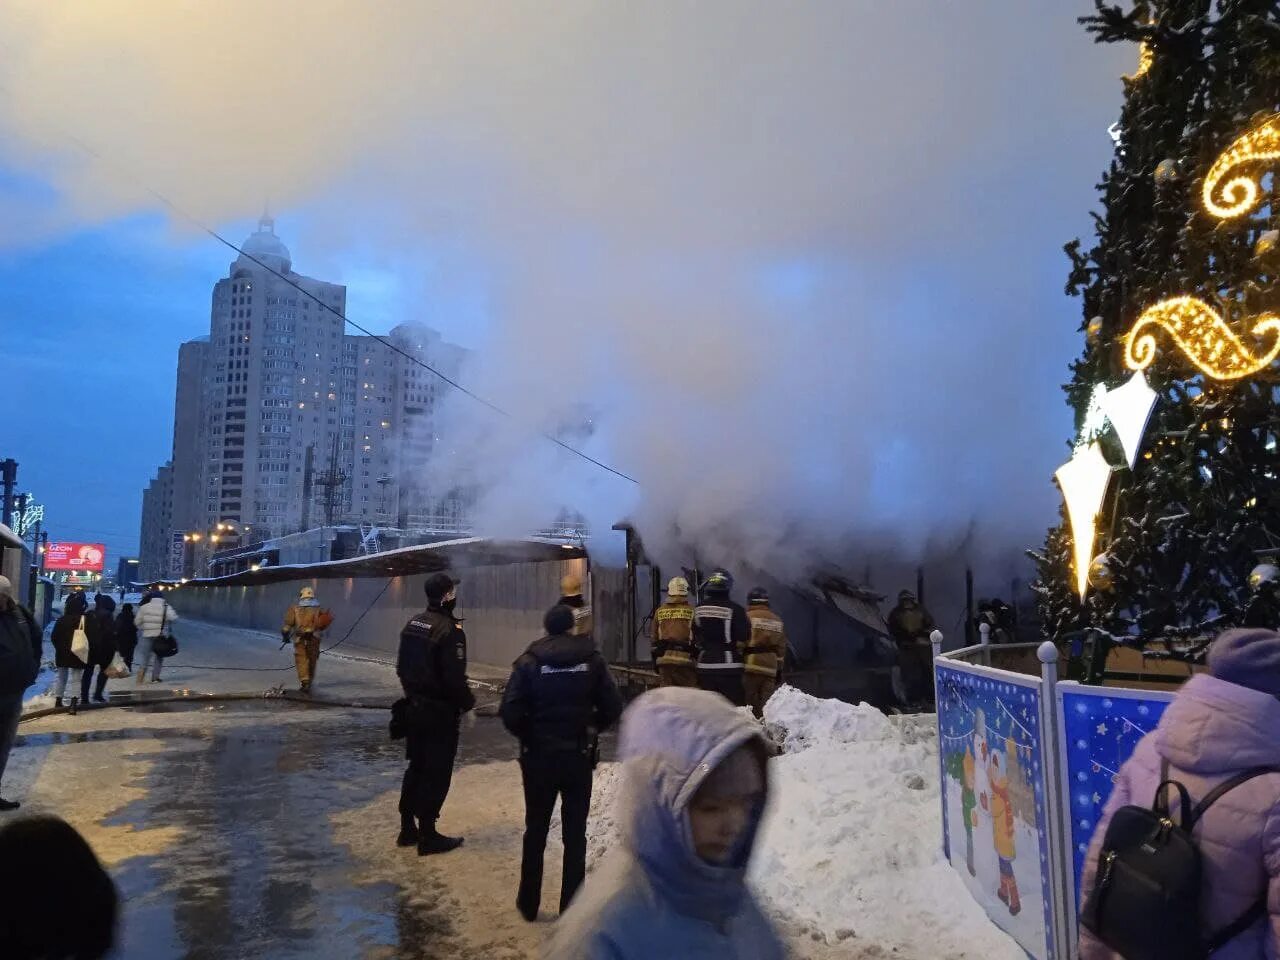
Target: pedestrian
<point>695,783</point>
<point>720,632</point>
<point>571,597</point>
<point>673,650</point>
<point>432,666</point>
<point>100,625</point>
<point>766,651</point>
<point>153,618</point>
<point>56,901</point>
<point>1219,725</point>
<point>20,643</point>
<point>304,623</point>
<point>910,626</point>
<point>559,698</point>
<point>126,634</point>
<point>68,664</point>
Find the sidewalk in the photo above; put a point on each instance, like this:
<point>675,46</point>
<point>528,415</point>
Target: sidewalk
<point>215,659</point>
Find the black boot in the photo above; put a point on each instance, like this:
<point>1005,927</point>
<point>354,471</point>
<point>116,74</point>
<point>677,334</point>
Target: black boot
<point>75,705</point>
<point>527,910</point>
<point>7,805</point>
<point>58,703</point>
<point>431,843</point>
<point>408,833</point>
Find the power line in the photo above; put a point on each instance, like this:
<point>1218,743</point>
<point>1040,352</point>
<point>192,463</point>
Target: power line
<point>205,228</point>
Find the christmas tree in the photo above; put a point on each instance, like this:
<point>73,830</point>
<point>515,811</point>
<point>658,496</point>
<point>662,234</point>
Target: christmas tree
<point>1180,289</point>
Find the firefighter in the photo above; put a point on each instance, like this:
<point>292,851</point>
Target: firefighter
<point>673,637</point>
<point>766,651</point>
<point>910,627</point>
<point>571,597</point>
<point>432,666</point>
<point>720,634</point>
<point>304,623</point>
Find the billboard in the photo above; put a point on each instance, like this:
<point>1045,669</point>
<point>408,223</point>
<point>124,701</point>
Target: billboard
<point>82,557</point>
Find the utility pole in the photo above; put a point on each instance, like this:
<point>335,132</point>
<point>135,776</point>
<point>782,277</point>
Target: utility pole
<point>332,480</point>
<point>308,468</point>
<point>9,478</point>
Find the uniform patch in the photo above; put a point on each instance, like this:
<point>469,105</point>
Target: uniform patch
<point>771,626</point>
<point>679,613</point>
<point>579,668</point>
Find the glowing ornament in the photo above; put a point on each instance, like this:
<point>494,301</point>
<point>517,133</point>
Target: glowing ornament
<point>1083,481</point>
<point>1266,243</point>
<point>1239,194</point>
<point>1264,575</point>
<point>1166,172</point>
<point>1203,336</point>
<point>1093,330</point>
<point>1100,575</point>
<point>1129,407</point>
<point>1145,58</point>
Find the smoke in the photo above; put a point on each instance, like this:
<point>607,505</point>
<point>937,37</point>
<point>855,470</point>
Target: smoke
<point>798,264</point>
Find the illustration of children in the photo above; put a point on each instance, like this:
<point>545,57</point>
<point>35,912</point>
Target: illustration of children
<point>1001,809</point>
<point>968,805</point>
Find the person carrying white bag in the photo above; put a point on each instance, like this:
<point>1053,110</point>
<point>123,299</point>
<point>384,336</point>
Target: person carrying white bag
<point>70,649</point>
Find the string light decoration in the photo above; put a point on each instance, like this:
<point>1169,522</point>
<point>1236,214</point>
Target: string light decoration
<point>1203,336</point>
<point>1083,481</point>
<point>1239,194</point>
<point>1146,56</point>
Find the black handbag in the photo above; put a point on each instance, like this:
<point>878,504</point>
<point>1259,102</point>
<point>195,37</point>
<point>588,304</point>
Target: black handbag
<point>165,645</point>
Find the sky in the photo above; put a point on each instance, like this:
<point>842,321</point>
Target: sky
<point>801,263</point>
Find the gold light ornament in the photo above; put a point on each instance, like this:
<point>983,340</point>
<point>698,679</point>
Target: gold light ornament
<point>1203,336</point>
<point>1101,576</point>
<point>1093,329</point>
<point>1145,58</point>
<point>1239,194</point>
<point>1083,481</point>
<point>1266,243</point>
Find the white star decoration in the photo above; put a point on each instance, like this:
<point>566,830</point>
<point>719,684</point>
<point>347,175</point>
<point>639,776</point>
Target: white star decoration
<point>1129,408</point>
<point>1083,480</point>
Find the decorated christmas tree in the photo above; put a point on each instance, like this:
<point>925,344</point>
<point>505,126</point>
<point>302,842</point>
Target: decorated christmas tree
<point>1172,490</point>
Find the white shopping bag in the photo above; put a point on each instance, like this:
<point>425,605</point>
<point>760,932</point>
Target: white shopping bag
<point>118,668</point>
<point>80,644</point>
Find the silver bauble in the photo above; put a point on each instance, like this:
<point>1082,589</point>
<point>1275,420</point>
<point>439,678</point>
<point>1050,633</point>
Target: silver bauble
<point>1264,575</point>
<point>1166,171</point>
<point>1100,574</point>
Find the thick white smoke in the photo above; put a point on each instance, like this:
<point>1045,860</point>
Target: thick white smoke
<point>799,261</point>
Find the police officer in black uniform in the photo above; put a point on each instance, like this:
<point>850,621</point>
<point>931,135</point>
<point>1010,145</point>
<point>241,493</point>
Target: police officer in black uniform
<point>559,697</point>
<point>432,666</point>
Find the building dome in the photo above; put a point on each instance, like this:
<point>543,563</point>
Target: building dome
<point>265,246</point>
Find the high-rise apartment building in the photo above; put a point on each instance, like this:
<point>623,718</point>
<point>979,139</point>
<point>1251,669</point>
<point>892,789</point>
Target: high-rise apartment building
<point>157,527</point>
<point>284,423</point>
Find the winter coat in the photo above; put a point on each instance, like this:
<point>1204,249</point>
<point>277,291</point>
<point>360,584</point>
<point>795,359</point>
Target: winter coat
<point>672,638</point>
<point>432,660</point>
<point>64,632</point>
<point>126,634</point>
<point>1210,732</point>
<point>100,625</point>
<point>20,647</point>
<point>909,623</point>
<point>968,797</point>
<point>653,896</point>
<point>150,616</point>
<point>1001,812</point>
<point>720,632</point>
<point>766,649</point>
<point>583,621</point>
<point>559,696</point>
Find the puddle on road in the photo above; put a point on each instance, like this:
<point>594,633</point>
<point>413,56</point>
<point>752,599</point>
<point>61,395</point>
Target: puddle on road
<point>257,872</point>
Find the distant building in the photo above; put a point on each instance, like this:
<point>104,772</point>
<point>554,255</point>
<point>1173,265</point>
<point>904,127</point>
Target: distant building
<point>157,526</point>
<point>283,423</point>
<point>128,571</point>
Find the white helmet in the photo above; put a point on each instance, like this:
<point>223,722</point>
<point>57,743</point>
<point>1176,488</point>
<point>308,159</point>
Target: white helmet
<point>678,587</point>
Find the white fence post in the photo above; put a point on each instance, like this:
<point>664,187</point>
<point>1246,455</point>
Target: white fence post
<point>1060,870</point>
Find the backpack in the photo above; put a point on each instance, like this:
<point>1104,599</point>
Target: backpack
<point>1145,902</point>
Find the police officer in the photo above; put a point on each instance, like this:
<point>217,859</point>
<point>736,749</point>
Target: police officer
<point>720,634</point>
<point>559,697</point>
<point>571,597</point>
<point>432,666</point>
<point>673,637</point>
<point>766,651</point>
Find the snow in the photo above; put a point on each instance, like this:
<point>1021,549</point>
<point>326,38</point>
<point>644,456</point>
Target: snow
<point>850,848</point>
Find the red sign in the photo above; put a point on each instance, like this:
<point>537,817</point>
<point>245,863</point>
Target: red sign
<point>75,556</point>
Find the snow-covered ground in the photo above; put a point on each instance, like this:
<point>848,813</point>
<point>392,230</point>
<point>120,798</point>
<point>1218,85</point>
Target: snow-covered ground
<point>849,856</point>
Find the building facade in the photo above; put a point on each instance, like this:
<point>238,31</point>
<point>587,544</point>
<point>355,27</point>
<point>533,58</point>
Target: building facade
<point>284,423</point>
<point>157,527</point>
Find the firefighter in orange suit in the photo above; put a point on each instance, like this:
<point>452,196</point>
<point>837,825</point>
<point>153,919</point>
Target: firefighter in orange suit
<point>304,623</point>
<point>766,651</point>
<point>672,639</point>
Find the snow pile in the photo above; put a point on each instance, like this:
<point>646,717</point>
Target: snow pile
<point>851,843</point>
<point>850,848</point>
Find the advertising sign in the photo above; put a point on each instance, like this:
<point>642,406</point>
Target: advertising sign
<point>993,793</point>
<point>177,555</point>
<point>75,556</point>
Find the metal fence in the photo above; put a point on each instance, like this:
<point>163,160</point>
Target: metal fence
<point>1027,763</point>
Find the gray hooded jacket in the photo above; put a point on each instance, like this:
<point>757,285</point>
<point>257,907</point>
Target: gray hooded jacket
<point>653,896</point>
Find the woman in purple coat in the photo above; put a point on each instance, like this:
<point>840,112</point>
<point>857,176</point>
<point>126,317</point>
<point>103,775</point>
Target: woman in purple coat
<point>1219,725</point>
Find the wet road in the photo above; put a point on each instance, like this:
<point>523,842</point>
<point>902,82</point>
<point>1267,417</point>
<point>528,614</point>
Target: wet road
<point>256,869</point>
